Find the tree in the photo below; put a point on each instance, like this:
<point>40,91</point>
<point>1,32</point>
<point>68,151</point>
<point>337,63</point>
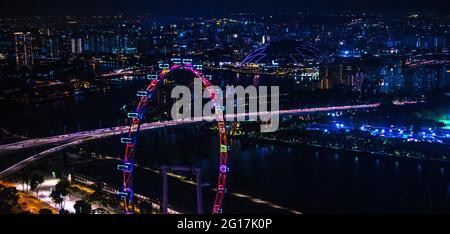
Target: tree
<point>8,199</point>
<point>9,195</point>
<point>57,198</point>
<point>60,192</point>
<point>35,182</point>
<point>62,187</point>
<point>45,211</point>
<point>82,207</point>
<point>64,211</point>
<point>24,179</point>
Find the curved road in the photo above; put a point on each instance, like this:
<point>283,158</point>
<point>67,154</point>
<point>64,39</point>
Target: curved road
<point>73,139</point>
<point>105,132</point>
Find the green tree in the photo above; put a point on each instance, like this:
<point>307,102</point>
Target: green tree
<point>24,179</point>
<point>62,187</point>
<point>57,198</point>
<point>8,199</point>
<point>35,182</point>
<point>64,211</point>
<point>60,192</point>
<point>9,195</point>
<point>82,207</point>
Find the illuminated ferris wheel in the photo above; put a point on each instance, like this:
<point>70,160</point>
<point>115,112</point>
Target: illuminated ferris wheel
<point>136,119</point>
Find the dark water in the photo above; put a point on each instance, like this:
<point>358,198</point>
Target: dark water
<point>99,109</point>
<point>302,178</point>
<point>85,112</point>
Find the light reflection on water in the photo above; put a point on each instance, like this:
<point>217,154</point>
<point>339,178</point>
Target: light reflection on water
<point>308,179</point>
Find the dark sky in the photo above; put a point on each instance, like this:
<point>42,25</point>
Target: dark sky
<point>207,7</point>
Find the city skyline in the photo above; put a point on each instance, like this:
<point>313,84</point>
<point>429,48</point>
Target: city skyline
<point>204,107</point>
<point>198,8</point>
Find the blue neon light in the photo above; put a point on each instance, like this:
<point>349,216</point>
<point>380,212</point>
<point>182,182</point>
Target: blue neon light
<point>126,140</point>
<point>125,167</point>
<point>133,115</point>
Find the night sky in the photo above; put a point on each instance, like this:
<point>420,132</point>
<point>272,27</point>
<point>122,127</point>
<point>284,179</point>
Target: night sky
<point>208,7</point>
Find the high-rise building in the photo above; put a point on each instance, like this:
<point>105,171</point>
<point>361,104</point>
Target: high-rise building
<point>355,80</point>
<point>422,79</point>
<point>23,49</point>
<point>76,45</point>
<point>392,78</point>
<point>325,84</point>
<point>52,47</point>
<point>443,77</point>
<point>265,39</point>
<point>3,60</point>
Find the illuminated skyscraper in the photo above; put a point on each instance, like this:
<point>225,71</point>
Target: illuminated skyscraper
<point>23,49</point>
<point>76,45</point>
<point>392,78</point>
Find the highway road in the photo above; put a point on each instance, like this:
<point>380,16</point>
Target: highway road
<point>73,139</point>
<point>106,132</point>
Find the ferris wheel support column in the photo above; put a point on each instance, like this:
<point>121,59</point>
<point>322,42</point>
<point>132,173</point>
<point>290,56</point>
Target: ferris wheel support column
<point>165,198</point>
<point>198,180</point>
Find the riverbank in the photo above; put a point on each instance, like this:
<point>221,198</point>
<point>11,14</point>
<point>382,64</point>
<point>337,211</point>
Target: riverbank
<point>343,150</point>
